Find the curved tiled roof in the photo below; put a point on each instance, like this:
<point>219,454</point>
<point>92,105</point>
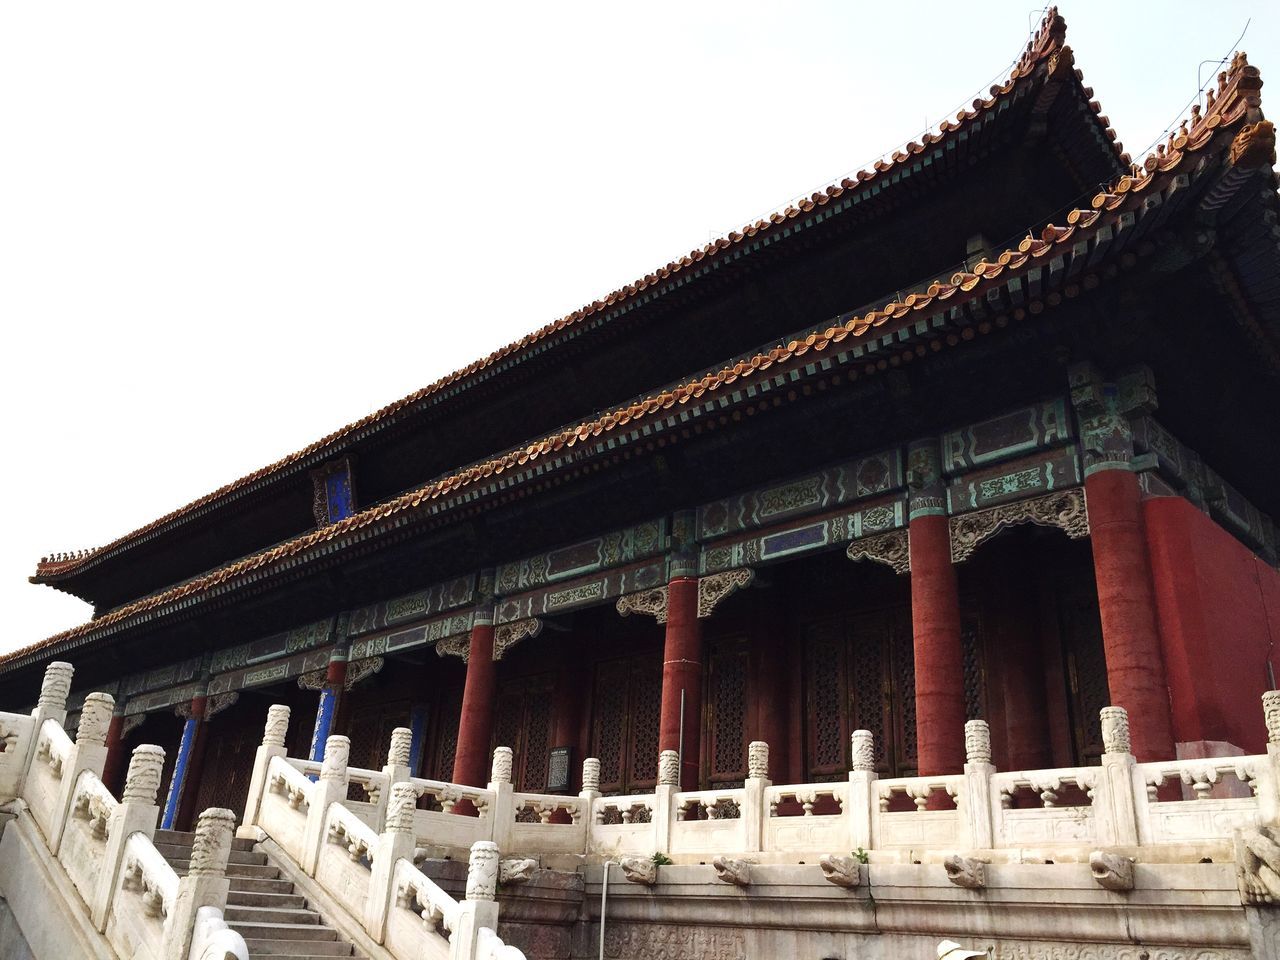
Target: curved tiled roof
<point>1046,47</point>
<point>1253,145</point>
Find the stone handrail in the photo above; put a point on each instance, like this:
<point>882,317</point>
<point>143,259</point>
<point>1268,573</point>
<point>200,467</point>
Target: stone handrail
<point>370,874</point>
<point>344,827</point>
<point>288,779</point>
<point>15,748</point>
<point>117,885</point>
<point>448,795</point>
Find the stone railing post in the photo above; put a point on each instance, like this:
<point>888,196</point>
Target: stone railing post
<point>394,843</point>
<point>52,705</point>
<point>975,795</point>
<point>1117,815</point>
<point>330,788</point>
<point>480,908</point>
<point>862,799</point>
<point>273,735</point>
<point>664,805</point>
<point>205,884</point>
<point>1268,784</point>
<point>396,770</point>
<point>754,808</point>
<point>502,812</point>
<point>589,795</point>
<point>137,812</point>
<point>89,752</point>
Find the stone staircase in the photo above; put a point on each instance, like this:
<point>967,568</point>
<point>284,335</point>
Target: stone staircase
<point>264,908</point>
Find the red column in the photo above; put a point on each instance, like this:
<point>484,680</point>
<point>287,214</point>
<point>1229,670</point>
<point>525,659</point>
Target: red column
<point>475,727</point>
<point>1126,602</point>
<point>939,656</point>
<point>112,765</point>
<point>682,672</point>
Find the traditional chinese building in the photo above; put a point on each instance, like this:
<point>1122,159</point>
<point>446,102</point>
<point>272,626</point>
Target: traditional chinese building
<point>987,431</point>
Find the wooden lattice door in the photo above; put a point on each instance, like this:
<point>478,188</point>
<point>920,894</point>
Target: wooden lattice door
<point>860,675</point>
<point>524,724</point>
<point>725,726</point>
<point>229,740</point>
<point>445,740</point>
<point>626,709</point>
<point>369,730</point>
<point>1081,630</point>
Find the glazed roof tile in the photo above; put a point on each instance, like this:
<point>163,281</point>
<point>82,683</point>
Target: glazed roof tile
<point>1046,47</point>
<point>1253,146</point>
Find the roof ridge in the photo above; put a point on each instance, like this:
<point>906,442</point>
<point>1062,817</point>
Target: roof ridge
<point>1233,104</point>
<point>1045,46</point>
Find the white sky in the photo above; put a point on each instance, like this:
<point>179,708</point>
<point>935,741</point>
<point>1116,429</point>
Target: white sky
<point>227,229</point>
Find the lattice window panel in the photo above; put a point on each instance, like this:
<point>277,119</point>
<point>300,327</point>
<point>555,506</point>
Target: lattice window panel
<point>826,685</point>
<point>645,709</point>
<point>903,673</point>
<point>975,673</point>
<point>868,685</point>
<point>727,713</point>
<point>510,719</point>
<point>537,738</point>
<point>225,778</point>
<point>1087,665</point>
<point>446,749</point>
<point>608,727</point>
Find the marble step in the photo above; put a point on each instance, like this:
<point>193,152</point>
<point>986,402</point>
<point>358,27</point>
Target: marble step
<point>264,947</point>
<point>182,851</point>
<point>260,885</point>
<point>267,898</point>
<point>254,930</point>
<point>262,871</point>
<point>272,915</point>
<point>187,837</point>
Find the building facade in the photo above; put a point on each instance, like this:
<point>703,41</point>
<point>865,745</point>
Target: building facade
<point>866,464</point>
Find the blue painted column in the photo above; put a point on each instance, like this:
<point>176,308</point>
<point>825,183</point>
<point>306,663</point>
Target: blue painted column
<point>418,742</point>
<point>183,768</point>
<point>335,678</point>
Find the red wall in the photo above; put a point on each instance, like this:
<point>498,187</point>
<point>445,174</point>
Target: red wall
<point>1219,613</point>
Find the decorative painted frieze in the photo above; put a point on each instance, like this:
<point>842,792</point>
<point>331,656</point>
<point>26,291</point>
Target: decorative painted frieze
<point>1230,508</point>
<point>1018,480</point>
<point>599,553</point>
<point>434,600</point>
<point>587,592</point>
<point>807,536</point>
<point>411,638</point>
<point>926,495</point>
<point>274,647</point>
<point>1007,436</point>
<point>162,699</point>
<point>181,672</point>
<point>892,549</point>
<point>859,479</point>
<point>265,674</point>
<point>1105,410</point>
<point>1065,510</point>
